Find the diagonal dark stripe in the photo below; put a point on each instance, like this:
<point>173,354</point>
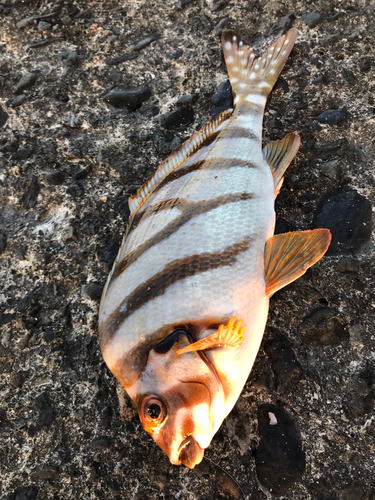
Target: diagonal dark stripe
<point>173,272</point>
<point>189,210</point>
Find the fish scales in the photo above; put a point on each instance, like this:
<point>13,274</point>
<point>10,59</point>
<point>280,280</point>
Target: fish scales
<point>200,250</point>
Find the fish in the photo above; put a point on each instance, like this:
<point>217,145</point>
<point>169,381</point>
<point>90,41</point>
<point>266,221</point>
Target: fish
<point>185,306</point>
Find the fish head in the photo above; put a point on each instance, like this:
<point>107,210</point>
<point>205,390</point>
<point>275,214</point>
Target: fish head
<point>180,400</point>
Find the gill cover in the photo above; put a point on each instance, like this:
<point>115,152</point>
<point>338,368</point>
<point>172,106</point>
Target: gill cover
<point>180,400</point>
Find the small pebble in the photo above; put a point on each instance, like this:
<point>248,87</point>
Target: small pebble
<point>165,141</point>
<point>109,254</point>
<point>281,25</point>
<point>286,369</point>
<point>312,19</point>
<point>177,118</point>
<point>364,64</point>
<point>333,116</point>
<point>145,41</point>
<point>26,82</point>
<point>31,193</point>
<point>176,54</point>
<point>56,178</point>
<point>188,99</point>
<point>3,242</point>
<point>129,97</point>
<point>319,79</point>
<point>44,26</point>
<point>18,101</point>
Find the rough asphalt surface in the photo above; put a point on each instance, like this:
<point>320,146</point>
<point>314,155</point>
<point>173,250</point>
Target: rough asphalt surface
<point>93,95</point>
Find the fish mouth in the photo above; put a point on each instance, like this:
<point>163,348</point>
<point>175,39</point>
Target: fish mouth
<point>190,453</point>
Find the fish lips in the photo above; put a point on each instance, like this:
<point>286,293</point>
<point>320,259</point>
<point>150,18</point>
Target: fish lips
<point>190,453</point>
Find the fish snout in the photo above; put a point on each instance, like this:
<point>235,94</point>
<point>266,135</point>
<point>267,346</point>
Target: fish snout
<point>191,453</point>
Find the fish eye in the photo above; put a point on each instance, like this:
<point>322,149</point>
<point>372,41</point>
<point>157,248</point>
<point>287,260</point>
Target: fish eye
<point>153,410</point>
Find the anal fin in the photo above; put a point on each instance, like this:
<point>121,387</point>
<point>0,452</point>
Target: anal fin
<point>288,256</point>
<point>279,154</point>
<point>230,336</point>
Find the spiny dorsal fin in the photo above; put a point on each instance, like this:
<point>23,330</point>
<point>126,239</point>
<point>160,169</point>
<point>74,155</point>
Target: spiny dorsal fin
<point>288,256</point>
<point>248,73</point>
<point>175,159</point>
<point>230,336</point>
<point>279,154</point>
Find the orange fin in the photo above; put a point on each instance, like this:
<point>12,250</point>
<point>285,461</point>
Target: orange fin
<point>288,256</point>
<point>230,336</point>
<point>246,71</point>
<point>279,154</point>
<point>175,159</point>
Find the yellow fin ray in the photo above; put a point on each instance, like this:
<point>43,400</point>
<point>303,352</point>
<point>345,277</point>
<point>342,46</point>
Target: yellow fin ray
<point>230,336</point>
<point>288,256</point>
<point>279,154</point>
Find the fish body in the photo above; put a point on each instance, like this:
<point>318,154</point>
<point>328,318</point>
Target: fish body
<point>184,309</point>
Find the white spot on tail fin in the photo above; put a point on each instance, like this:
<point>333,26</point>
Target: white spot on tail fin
<point>236,99</point>
<point>228,45</point>
<point>234,80</point>
<point>235,68</point>
<point>243,85</point>
<point>230,59</point>
<point>244,71</point>
<point>234,38</point>
<point>264,85</point>
<point>272,71</point>
<point>253,75</point>
<point>256,66</point>
<point>243,61</point>
<point>241,43</point>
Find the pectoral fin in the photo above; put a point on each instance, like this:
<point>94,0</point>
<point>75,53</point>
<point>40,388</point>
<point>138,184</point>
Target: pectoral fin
<point>230,336</point>
<point>288,256</point>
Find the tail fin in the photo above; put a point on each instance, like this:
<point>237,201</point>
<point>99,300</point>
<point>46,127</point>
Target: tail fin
<point>249,74</point>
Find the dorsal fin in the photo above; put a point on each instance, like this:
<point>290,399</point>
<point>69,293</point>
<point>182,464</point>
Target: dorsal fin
<point>279,154</point>
<point>175,159</point>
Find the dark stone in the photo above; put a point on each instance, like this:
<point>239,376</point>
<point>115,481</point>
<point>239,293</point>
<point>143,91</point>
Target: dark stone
<point>282,24</point>
<point>101,443</point>
<point>282,226</point>
<point>26,82</point>
<point>177,118</point>
<point>46,413</point>
<point>284,364</point>
<point>32,430</point>
<point>145,41</point>
<point>44,26</point>
<point>320,79</point>
<point>109,254</point>
<point>322,326</point>
<point>299,105</point>
<point>82,173</point>
<point>121,58</point>
<point>56,178</point>
<point>186,2</point>
<point>125,211</point>
<point>128,97</point>
<point>16,380</point>
<point>217,5</point>
<point>331,169</point>
<point>49,335</point>
<point>349,76</point>
<point>165,141</point>
<point>223,99</point>
<point>348,216</point>
<point>32,190</point>
<point>18,101</point>
<point>3,242</point>
<point>312,19</point>
<point>75,190</point>
<point>333,116</point>
<point>93,291</point>
<point>280,460</point>
<point>3,117</point>
<point>46,41</point>
<point>188,99</point>
<point>327,150</point>
<point>6,318</point>
<point>69,58</point>
<point>115,76</point>
<point>176,54</point>
<point>24,493</point>
<point>353,491</point>
<point>360,400</point>
<point>364,64</point>
<point>24,153</point>
<point>47,472</point>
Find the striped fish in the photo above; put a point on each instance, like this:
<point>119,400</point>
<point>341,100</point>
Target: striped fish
<point>199,254</point>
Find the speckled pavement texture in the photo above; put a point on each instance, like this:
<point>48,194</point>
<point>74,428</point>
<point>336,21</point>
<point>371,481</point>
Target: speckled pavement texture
<point>71,155</point>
